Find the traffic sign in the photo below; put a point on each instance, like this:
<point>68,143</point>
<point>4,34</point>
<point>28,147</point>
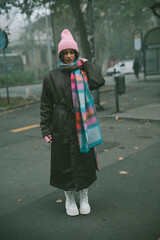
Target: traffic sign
<point>3,40</point>
<point>137,40</point>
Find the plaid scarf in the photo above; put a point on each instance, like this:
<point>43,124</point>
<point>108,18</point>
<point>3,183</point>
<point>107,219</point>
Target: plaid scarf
<point>88,130</point>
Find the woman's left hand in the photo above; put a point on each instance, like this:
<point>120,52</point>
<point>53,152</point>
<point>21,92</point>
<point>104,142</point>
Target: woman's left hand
<point>48,139</point>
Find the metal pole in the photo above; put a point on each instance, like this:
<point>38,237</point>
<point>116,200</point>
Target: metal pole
<point>54,51</point>
<point>54,39</point>
<point>5,72</point>
<point>49,45</point>
<point>91,33</point>
<point>116,95</point>
<point>144,63</point>
<point>34,60</point>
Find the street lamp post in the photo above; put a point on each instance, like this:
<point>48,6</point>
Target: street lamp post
<point>91,38</point>
<point>54,52</point>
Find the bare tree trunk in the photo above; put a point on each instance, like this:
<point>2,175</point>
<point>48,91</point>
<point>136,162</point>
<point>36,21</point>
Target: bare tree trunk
<point>81,28</point>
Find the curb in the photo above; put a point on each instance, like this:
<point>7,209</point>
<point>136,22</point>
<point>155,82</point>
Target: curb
<point>128,118</point>
<point>3,109</point>
<point>106,89</point>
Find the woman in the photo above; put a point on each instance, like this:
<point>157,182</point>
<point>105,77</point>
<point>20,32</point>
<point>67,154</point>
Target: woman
<point>69,123</point>
<point>136,67</point>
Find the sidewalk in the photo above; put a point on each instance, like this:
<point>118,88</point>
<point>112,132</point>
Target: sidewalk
<point>141,101</point>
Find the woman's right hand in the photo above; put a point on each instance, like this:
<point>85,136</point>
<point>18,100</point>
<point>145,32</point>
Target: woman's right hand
<point>48,139</point>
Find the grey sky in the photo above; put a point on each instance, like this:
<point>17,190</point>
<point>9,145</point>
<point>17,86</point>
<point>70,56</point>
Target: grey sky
<point>16,22</point>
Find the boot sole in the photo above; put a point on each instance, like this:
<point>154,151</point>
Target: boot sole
<point>70,213</point>
<point>87,211</point>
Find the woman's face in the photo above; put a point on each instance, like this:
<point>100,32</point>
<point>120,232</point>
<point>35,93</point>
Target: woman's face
<point>68,56</point>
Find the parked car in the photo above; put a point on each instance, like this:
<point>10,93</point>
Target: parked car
<point>124,67</point>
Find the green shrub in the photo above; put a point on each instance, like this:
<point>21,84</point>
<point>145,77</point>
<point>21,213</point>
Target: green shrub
<point>2,81</point>
<point>16,78</point>
<point>28,77</point>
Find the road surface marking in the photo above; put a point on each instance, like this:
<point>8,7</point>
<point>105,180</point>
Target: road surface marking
<point>25,128</point>
<point>9,111</point>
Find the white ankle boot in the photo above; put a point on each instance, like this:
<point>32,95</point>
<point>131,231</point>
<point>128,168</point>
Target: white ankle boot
<point>84,205</point>
<point>70,205</point>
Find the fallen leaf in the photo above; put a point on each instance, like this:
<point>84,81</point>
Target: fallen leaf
<point>102,103</point>
<point>120,120</point>
<point>116,117</point>
<point>136,148</point>
<point>111,127</point>
<point>105,150</point>
<point>123,172</point>
<point>147,122</point>
<point>19,200</point>
<point>121,158</point>
<point>59,201</point>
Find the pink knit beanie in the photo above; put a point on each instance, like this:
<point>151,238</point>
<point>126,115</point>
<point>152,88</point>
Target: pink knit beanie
<point>67,41</point>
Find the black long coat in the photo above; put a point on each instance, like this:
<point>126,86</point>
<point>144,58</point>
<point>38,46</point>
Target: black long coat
<point>70,169</point>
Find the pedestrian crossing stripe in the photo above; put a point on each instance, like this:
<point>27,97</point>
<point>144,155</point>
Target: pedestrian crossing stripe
<point>25,128</point>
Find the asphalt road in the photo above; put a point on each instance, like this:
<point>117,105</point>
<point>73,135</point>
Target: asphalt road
<point>124,200</point>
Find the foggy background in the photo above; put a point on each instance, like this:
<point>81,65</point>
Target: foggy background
<point>34,33</point>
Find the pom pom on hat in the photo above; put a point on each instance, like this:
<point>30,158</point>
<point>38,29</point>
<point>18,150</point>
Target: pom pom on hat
<point>67,41</point>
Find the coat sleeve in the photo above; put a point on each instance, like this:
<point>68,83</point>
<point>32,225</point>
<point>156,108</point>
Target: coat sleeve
<point>95,78</point>
<point>45,108</point>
